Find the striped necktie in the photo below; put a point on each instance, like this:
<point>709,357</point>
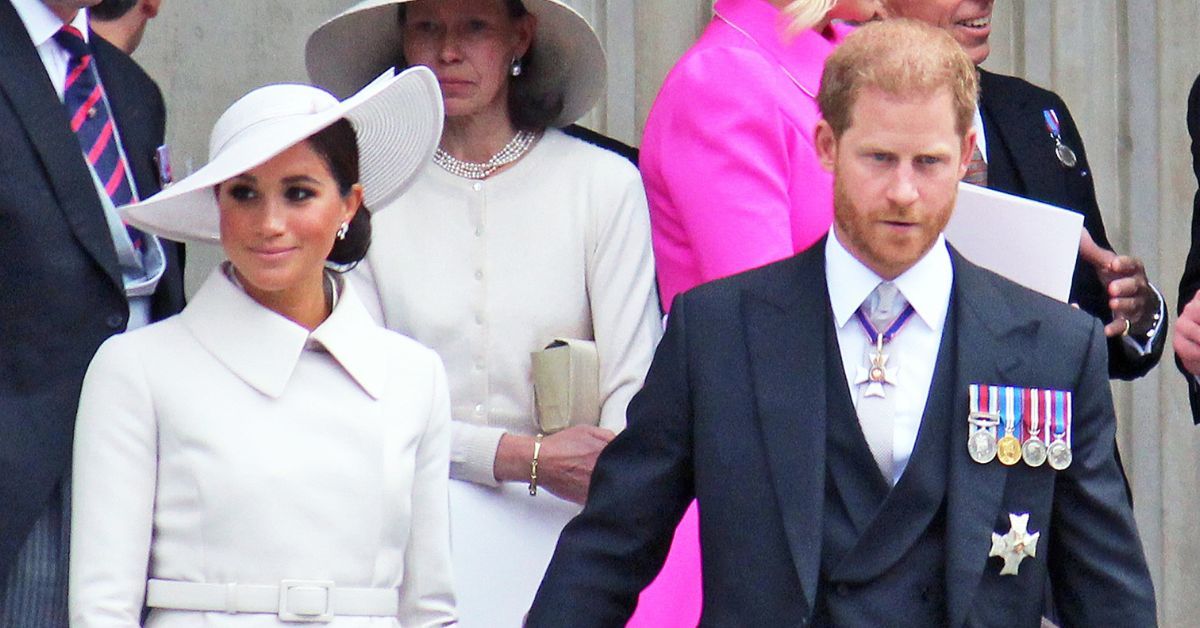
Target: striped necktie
<point>84,99</point>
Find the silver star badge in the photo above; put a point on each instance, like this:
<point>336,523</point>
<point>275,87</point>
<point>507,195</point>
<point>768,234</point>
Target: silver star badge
<point>876,374</point>
<point>1016,545</point>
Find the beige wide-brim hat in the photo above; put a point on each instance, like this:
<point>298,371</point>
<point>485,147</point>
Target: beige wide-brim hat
<point>348,50</point>
<point>397,119</point>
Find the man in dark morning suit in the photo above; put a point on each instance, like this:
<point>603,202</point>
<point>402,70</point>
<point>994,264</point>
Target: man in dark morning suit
<point>1022,158</point>
<point>752,406</point>
<point>1187,329</point>
<point>63,284</point>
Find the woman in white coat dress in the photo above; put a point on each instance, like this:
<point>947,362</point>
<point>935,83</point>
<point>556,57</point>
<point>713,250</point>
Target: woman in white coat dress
<point>271,455</point>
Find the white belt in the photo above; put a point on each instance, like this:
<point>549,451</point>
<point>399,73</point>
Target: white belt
<point>292,600</point>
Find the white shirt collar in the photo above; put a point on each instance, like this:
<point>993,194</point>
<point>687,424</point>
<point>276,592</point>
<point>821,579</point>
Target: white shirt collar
<point>41,23</point>
<point>926,285</point>
<point>980,138</point>
<point>262,347</point>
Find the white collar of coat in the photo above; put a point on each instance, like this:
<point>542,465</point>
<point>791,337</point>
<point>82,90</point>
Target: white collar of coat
<point>262,347</point>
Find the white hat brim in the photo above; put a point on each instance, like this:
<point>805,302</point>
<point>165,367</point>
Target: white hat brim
<point>398,123</point>
<point>353,47</point>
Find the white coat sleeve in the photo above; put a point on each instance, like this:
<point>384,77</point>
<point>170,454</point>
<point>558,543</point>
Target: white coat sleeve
<point>624,301</point>
<point>427,593</point>
<point>112,505</point>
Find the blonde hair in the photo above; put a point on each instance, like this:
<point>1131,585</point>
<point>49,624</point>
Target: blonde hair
<point>900,57</point>
<point>805,14</point>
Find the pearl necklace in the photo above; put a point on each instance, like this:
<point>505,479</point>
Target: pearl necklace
<point>512,151</point>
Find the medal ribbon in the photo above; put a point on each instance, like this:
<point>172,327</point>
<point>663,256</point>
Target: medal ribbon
<point>1060,416</point>
<point>1032,412</point>
<point>873,333</point>
<point>1052,124</point>
<point>984,399</point>
<point>1013,420</point>
<point>1067,394</point>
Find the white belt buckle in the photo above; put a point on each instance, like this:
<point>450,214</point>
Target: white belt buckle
<point>298,603</point>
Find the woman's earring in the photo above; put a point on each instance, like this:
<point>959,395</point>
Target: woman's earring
<point>515,69</point>
<point>341,232</point>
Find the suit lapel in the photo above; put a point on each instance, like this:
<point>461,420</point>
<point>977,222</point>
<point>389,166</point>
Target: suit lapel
<point>993,342</point>
<point>1011,127</point>
<point>785,326</point>
<point>23,82</point>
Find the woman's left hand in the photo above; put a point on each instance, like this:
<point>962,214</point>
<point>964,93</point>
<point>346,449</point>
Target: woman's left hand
<point>567,458</point>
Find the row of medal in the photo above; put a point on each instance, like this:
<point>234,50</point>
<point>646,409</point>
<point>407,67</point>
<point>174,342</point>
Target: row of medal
<point>1014,424</point>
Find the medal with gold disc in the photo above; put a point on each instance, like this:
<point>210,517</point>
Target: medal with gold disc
<point>1008,448</point>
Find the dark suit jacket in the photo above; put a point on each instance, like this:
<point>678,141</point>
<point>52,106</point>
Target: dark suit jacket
<point>1022,161</point>
<point>60,279</point>
<point>603,141</point>
<point>733,413</point>
<point>1190,282</point>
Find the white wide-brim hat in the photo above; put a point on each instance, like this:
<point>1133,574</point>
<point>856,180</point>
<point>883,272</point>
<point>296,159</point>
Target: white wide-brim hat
<point>397,120</point>
<point>350,49</point>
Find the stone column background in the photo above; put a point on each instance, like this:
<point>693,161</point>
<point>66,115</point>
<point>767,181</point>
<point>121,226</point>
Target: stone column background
<point>1123,66</point>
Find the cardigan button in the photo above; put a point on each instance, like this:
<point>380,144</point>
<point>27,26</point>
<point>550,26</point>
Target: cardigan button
<point>115,321</point>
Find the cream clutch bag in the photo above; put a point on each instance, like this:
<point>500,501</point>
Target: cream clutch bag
<point>566,384</point>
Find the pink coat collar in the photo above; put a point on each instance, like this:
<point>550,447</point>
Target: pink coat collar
<point>764,25</point>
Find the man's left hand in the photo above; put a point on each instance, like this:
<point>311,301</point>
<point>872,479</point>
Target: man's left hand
<point>1130,296</point>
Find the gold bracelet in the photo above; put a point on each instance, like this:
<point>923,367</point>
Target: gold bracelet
<point>537,449</point>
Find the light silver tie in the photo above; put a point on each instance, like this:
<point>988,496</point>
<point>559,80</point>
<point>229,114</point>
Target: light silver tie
<point>876,414</point>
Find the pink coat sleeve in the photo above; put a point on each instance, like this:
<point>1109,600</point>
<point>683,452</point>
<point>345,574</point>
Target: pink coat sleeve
<point>722,151</point>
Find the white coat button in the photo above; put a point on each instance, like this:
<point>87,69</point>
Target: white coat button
<point>477,186</point>
<point>479,274</point>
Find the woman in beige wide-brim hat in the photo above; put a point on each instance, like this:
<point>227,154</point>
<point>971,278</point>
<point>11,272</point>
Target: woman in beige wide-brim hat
<point>271,454</point>
<point>515,234</point>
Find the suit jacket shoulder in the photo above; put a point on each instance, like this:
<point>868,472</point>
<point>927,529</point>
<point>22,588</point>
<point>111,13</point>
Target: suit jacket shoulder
<point>603,141</point>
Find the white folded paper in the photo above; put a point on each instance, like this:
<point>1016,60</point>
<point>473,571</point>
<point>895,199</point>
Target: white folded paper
<point>1031,243</point>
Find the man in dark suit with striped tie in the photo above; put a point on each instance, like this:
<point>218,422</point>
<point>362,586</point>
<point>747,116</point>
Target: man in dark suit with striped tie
<point>81,124</point>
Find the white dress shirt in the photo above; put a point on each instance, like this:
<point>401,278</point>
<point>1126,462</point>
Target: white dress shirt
<point>912,353</point>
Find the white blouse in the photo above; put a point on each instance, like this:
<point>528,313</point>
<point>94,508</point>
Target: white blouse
<point>485,272</point>
<point>228,445</point>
